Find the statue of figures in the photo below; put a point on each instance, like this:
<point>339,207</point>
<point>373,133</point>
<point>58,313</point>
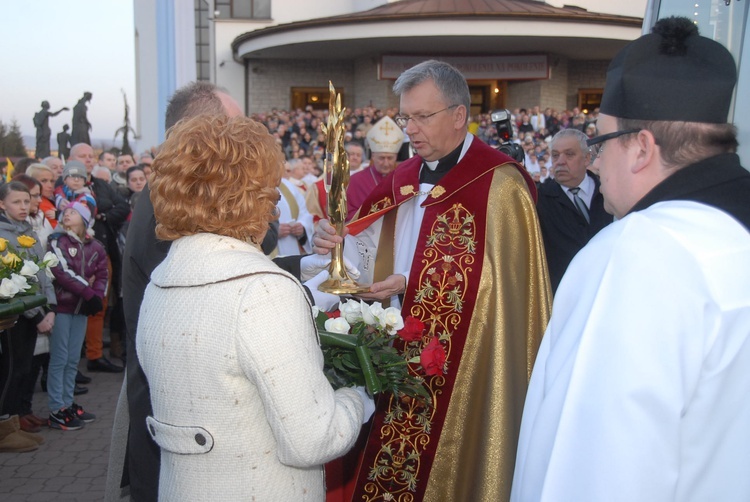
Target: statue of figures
<point>81,124</point>
<point>43,132</point>
<point>63,143</point>
<point>125,129</point>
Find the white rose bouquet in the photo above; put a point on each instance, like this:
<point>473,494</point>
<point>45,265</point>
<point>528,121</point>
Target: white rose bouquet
<point>358,348</point>
<point>18,275</point>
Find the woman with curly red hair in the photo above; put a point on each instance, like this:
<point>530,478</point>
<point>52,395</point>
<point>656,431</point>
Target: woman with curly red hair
<point>241,407</point>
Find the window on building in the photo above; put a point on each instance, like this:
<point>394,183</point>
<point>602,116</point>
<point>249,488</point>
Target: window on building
<point>244,9</point>
<point>588,99</point>
<point>479,99</point>
<point>487,95</point>
<point>202,48</point>
<point>720,20</point>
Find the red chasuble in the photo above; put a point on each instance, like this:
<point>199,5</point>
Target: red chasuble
<point>479,282</point>
<point>316,200</point>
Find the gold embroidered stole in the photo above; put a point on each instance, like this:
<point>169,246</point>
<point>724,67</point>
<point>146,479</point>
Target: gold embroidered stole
<point>411,448</point>
<point>289,198</point>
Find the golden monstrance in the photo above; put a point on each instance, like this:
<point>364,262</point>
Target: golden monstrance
<point>336,180</point>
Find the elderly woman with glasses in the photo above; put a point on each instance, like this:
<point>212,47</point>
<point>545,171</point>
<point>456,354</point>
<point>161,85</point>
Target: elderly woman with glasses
<point>241,407</point>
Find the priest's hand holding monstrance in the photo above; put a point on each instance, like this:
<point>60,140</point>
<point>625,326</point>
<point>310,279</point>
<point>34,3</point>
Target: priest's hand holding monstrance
<point>336,181</point>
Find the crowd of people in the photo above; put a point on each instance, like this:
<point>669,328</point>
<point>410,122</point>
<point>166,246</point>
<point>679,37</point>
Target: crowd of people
<point>299,134</point>
<point>375,146</point>
<point>103,191</point>
<point>78,211</point>
<point>588,307</point>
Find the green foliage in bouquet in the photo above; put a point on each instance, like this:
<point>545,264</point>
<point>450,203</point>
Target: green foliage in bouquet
<point>362,354</point>
<point>18,278</point>
<point>18,268</point>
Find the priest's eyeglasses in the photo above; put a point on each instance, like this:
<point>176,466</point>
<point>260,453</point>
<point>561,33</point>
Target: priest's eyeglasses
<point>596,144</point>
<point>402,120</point>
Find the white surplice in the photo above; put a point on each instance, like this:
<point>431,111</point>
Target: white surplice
<point>289,245</point>
<point>640,391</point>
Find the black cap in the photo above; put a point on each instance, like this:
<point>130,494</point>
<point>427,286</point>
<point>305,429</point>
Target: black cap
<point>671,74</point>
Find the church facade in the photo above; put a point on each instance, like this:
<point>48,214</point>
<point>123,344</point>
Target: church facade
<point>282,53</point>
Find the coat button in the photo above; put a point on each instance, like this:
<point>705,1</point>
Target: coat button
<point>200,439</point>
<point>153,431</point>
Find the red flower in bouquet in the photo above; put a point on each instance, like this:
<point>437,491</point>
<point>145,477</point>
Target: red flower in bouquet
<point>412,331</point>
<point>432,358</point>
<point>358,349</point>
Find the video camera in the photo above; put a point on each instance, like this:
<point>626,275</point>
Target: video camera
<point>501,119</point>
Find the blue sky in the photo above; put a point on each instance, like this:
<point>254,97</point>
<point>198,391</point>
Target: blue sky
<point>55,50</point>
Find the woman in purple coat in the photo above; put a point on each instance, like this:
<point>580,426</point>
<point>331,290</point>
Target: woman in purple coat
<point>80,284</point>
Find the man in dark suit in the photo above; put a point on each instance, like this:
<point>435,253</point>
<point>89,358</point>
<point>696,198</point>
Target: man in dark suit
<point>570,207</point>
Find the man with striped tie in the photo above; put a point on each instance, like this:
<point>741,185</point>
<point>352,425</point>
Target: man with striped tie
<point>570,207</point>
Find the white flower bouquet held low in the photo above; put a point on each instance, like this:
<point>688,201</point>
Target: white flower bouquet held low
<point>357,343</point>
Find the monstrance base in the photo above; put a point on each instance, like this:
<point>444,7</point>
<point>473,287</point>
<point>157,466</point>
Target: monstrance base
<point>345,287</point>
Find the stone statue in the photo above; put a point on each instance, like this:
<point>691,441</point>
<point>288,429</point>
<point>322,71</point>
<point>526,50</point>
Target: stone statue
<point>43,132</point>
<point>63,143</point>
<point>81,124</point>
<point>125,129</point>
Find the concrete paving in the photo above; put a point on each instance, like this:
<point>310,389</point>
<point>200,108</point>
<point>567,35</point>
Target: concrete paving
<point>70,465</point>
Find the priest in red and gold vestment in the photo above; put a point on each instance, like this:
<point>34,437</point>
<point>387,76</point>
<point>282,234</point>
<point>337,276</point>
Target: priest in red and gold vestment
<point>452,237</point>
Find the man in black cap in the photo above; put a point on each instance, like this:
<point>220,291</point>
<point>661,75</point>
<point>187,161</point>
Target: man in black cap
<point>639,391</point>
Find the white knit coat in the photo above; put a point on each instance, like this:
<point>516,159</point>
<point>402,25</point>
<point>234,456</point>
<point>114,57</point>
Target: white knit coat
<point>242,409</point>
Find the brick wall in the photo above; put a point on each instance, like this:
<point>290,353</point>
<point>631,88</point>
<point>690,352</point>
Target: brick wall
<point>555,90</point>
<point>545,93</point>
<point>585,75</point>
<point>368,90</point>
<point>524,94</point>
<point>270,83</point>
<point>270,80</point>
